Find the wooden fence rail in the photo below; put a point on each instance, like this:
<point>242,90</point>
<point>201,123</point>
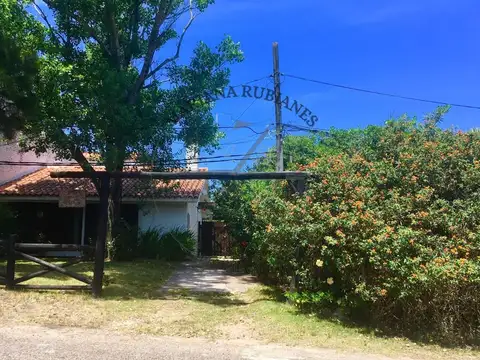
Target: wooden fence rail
<point>16,251</point>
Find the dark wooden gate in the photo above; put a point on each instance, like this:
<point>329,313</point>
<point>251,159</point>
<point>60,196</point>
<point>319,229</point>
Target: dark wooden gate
<point>207,237</point>
<point>214,239</point>
<point>33,252</point>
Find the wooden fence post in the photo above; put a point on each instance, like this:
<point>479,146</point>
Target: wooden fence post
<point>10,271</point>
<point>101,237</point>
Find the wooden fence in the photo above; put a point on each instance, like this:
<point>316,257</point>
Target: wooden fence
<point>27,251</point>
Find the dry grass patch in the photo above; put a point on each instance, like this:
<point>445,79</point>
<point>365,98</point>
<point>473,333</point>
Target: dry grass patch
<point>133,304</point>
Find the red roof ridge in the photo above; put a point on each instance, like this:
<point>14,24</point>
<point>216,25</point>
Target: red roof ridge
<point>39,183</point>
<point>11,182</point>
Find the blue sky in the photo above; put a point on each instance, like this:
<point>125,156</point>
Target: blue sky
<point>418,48</point>
<point>424,48</point>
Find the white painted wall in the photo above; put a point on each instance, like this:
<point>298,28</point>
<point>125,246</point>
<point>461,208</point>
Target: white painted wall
<point>163,216</point>
<point>193,217</point>
<point>166,216</point>
<point>10,151</point>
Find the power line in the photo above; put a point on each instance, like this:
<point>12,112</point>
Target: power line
<point>252,81</point>
<point>135,164</point>
<point>238,142</point>
<point>132,163</point>
<point>248,108</point>
<point>231,127</point>
<point>252,103</point>
<point>301,128</point>
<point>382,93</point>
<point>226,156</point>
<point>241,127</point>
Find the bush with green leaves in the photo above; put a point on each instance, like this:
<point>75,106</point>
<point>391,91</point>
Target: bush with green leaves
<point>388,230</point>
<point>125,246</point>
<point>174,245</point>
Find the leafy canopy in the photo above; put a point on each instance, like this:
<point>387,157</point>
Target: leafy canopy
<point>110,84</point>
<point>20,37</point>
<point>387,230</point>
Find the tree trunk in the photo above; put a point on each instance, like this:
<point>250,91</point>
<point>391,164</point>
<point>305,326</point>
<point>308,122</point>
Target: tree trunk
<point>114,214</point>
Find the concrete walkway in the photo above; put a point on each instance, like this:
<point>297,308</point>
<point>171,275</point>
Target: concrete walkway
<point>197,276</point>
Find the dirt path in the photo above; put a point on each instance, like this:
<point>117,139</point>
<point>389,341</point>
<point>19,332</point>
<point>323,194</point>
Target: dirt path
<point>32,342</point>
<point>199,277</point>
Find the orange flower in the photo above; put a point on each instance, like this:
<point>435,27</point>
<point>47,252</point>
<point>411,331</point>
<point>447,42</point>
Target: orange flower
<point>423,214</point>
<point>383,292</point>
<point>358,203</point>
<point>269,227</point>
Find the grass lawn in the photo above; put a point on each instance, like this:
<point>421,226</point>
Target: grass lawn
<point>132,304</point>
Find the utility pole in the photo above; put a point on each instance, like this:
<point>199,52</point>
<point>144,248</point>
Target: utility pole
<point>278,107</point>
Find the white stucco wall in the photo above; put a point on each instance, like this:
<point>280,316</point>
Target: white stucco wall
<point>163,216</point>
<point>193,218</point>
<point>166,216</point>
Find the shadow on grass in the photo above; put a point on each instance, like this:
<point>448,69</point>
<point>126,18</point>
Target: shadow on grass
<point>214,298</point>
<point>122,280</point>
<point>135,280</point>
<point>363,322</point>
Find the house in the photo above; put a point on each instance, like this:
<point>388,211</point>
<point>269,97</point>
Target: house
<point>10,153</point>
<point>39,202</point>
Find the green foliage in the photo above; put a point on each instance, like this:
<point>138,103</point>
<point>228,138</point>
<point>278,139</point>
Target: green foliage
<point>177,245</point>
<point>388,227</point>
<point>312,301</point>
<point>150,243</point>
<point>110,82</point>
<point>104,73</point>
<point>174,245</point>
<point>20,38</point>
<point>298,150</point>
<point>124,247</point>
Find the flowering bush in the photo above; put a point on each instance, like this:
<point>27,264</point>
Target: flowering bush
<point>390,226</point>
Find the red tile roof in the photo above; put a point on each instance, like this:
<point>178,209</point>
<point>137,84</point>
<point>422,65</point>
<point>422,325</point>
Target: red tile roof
<point>39,183</point>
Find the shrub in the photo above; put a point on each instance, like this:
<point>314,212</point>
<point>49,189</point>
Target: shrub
<point>149,242</point>
<point>178,245</point>
<point>389,229</point>
<point>175,245</point>
<point>125,245</point>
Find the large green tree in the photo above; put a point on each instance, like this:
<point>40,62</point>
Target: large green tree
<point>111,82</point>
<point>20,39</point>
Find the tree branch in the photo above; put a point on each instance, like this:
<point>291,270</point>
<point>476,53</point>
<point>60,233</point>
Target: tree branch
<point>40,12</point>
<point>179,45</point>
<point>159,20</point>
<point>135,19</point>
<point>78,156</point>
<point>114,42</point>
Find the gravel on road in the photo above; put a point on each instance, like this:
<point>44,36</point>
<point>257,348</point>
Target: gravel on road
<point>35,342</point>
